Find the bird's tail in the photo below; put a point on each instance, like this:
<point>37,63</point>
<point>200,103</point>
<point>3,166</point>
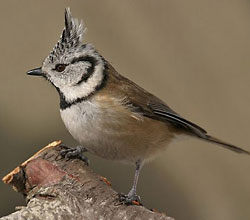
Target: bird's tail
<point>224,144</point>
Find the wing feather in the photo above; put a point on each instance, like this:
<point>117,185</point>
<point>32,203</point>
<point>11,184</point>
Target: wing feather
<point>150,106</point>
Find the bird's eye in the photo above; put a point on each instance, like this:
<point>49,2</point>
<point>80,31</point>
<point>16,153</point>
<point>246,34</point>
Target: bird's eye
<point>60,67</point>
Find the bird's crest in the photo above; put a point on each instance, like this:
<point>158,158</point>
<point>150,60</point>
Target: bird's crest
<point>71,37</point>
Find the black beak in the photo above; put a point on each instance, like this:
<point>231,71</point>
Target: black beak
<point>35,72</point>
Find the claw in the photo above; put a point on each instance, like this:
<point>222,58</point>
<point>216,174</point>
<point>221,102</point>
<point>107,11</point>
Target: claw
<point>74,153</point>
<point>130,199</point>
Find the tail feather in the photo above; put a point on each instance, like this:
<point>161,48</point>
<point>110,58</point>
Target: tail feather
<point>224,144</point>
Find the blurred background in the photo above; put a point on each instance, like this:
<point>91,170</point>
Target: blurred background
<point>192,54</point>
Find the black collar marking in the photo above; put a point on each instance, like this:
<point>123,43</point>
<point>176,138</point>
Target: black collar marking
<point>64,104</point>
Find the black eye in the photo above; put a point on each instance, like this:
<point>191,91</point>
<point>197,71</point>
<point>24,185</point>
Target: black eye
<point>60,67</point>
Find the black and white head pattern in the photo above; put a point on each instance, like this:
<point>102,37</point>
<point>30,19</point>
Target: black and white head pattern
<point>75,69</point>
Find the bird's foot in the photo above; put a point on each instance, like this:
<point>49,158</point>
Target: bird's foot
<point>74,153</point>
<point>130,199</point>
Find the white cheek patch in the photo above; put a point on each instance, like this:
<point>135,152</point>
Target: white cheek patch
<point>84,89</point>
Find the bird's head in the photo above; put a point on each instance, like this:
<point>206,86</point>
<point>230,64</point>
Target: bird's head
<point>74,68</point>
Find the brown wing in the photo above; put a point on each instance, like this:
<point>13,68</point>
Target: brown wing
<point>152,107</point>
<point>148,104</point>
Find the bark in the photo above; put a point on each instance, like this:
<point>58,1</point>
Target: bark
<point>57,188</point>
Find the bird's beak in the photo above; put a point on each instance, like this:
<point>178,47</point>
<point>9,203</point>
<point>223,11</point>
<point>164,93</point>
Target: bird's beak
<point>35,72</point>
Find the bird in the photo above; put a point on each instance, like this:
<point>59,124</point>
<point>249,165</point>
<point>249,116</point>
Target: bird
<point>108,114</point>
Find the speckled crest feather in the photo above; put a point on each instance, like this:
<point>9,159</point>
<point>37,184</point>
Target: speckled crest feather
<point>71,37</point>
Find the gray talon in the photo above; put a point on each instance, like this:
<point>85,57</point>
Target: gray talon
<point>129,199</point>
<point>132,197</point>
<point>74,153</point>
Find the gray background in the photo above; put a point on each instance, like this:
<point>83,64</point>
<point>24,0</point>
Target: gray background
<point>192,54</point>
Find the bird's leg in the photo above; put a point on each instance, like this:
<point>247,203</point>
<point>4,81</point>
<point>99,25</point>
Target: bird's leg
<point>77,152</point>
<point>131,197</point>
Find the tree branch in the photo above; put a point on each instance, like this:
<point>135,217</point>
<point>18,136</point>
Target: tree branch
<point>57,188</point>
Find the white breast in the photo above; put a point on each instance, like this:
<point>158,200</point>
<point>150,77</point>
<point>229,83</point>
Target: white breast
<point>83,122</point>
<point>114,134</point>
